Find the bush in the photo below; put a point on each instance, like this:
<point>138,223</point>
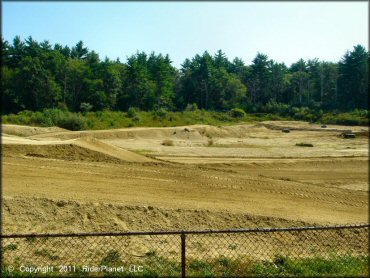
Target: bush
<point>224,117</point>
<point>51,117</point>
<point>132,112</point>
<point>191,107</point>
<point>353,118</point>
<point>62,106</point>
<point>85,107</point>
<point>275,107</point>
<point>72,122</point>
<point>161,113</point>
<point>237,113</point>
<point>136,119</point>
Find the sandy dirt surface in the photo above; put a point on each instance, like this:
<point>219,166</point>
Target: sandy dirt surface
<point>210,178</point>
<point>21,130</point>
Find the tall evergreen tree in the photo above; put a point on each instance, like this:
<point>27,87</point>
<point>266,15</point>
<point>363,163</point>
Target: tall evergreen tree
<point>353,82</point>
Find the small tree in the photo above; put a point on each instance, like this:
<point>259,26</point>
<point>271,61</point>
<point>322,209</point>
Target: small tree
<point>237,113</point>
<point>85,107</point>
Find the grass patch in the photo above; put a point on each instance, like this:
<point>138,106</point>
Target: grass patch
<point>133,118</point>
<point>45,253</point>
<point>157,266</point>
<point>344,266</point>
<point>112,258</point>
<point>117,119</point>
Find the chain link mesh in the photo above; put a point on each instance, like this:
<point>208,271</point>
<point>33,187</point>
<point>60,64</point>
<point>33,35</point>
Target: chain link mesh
<point>290,252</point>
<point>342,252</point>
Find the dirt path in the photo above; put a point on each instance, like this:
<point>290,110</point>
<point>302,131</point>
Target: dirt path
<point>234,190</point>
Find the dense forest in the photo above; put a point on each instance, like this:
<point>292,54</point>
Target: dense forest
<point>37,75</point>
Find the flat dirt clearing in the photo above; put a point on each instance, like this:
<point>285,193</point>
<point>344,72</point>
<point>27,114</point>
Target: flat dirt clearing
<point>211,178</point>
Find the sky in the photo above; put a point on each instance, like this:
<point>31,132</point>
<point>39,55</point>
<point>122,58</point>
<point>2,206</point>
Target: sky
<point>285,31</point>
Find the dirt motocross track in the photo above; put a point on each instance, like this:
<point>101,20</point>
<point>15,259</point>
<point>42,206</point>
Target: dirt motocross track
<point>193,177</point>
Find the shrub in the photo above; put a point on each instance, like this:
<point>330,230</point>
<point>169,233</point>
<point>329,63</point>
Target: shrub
<point>237,113</point>
<point>275,107</point>
<point>86,107</point>
<point>36,119</point>
<point>132,112</point>
<point>361,113</point>
<point>72,122</point>
<point>136,119</point>
<point>62,106</point>
<point>191,107</point>
<point>52,117</point>
<point>161,113</point>
<point>224,117</point>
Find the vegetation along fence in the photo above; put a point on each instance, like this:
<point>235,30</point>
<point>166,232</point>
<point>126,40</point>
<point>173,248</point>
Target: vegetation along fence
<point>304,251</point>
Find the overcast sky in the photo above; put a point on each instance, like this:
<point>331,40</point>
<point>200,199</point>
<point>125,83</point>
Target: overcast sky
<point>284,31</point>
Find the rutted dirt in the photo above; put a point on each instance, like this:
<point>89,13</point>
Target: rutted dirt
<point>212,178</point>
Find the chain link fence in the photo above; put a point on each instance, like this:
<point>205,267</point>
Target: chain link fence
<point>307,251</point>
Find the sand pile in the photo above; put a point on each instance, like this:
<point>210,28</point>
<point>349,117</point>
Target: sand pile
<point>102,148</point>
<point>27,214</point>
<point>82,149</point>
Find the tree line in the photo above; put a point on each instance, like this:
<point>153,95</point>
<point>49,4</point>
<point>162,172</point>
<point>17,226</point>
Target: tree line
<point>37,75</point>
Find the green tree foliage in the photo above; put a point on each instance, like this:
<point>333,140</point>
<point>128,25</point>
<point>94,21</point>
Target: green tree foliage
<point>79,51</point>
<point>148,82</point>
<point>353,81</point>
<point>76,74</point>
<point>139,89</point>
<point>37,76</point>
<point>260,79</point>
<point>300,81</point>
<point>211,82</point>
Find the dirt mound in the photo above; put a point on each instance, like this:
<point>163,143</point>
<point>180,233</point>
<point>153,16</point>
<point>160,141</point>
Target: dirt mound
<point>179,135</point>
<point>192,133</point>
<point>69,152</point>
<point>128,133</point>
<point>38,215</point>
<point>91,150</point>
<point>95,145</point>
<point>86,149</point>
<point>25,131</point>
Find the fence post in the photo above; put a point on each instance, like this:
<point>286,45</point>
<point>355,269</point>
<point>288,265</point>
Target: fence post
<point>183,255</point>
